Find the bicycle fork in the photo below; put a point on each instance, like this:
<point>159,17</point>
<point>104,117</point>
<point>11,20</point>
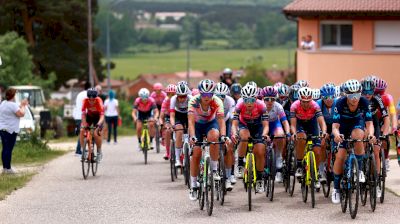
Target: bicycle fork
<point>250,156</point>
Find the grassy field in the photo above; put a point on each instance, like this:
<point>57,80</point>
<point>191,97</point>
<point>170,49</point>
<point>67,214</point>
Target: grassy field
<point>9,183</point>
<point>130,66</point>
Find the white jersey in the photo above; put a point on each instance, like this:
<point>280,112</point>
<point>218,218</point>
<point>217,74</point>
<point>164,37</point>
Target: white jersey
<point>276,112</point>
<point>229,107</point>
<point>176,106</point>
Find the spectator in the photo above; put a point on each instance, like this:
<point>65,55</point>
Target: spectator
<point>102,95</point>
<point>308,43</point>
<point>77,114</point>
<point>111,112</point>
<point>10,114</point>
<point>226,77</point>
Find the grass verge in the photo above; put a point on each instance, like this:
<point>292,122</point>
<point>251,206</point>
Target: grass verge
<point>10,183</point>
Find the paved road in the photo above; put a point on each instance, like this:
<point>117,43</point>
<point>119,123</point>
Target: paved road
<point>127,191</point>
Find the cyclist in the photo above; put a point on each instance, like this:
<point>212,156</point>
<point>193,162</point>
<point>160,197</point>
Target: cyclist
<point>283,94</point>
<point>235,91</point>
<point>206,117</point>
<point>158,94</point>
<point>144,108</point>
<point>380,89</point>
<point>375,105</point>
<point>195,91</point>
<point>316,94</point>
<point>327,104</point>
<point>302,83</point>
<point>276,118</point>
<point>351,115</point>
<point>165,118</point>
<point>305,116</point>
<point>222,91</point>
<point>179,117</point>
<point>251,118</point>
<point>93,113</point>
<point>226,77</point>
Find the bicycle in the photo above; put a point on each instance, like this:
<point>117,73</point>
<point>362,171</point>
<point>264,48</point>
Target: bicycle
<point>206,190</point>
<point>371,176</point>
<point>158,136</point>
<point>270,168</point>
<point>289,169</point>
<point>89,152</point>
<point>382,171</point>
<point>310,173</point>
<point>220,185</point>
<point>186,160</point>
<point>145,140</point>
<point>326,185</point>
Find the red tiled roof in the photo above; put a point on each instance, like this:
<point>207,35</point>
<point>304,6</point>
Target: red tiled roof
<point>332,7</point>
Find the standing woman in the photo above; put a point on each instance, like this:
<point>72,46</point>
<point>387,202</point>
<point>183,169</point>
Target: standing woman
<point>10,114</point>
<point>111,112</point>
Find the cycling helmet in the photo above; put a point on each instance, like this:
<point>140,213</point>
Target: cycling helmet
<point>353,86</point>
<point>248,91</point>
<point>293,92</point>
<point>144,93</point>
<point>269,91</point>
<point>195,91</point>
<point>337,91</point>
<point>368,85</point>
<point>182,90</point>
<point>277,85</point>
<point>91,93</point>
<point>171,88</point>
<point>236,88</point>
<point>328,90</point>
<point>222,89</point>
<point>206,86</point>
<point>251,83</point>
<point>305,94</point>
<point>259,93</point>
<point>227,71</point>
<point>283,90</point>
<point>157,86</point>
<point>380,84</point>
<point>316,94</point>
<point>343,88</point>
<point>303,83</point>
<point>182,82</point>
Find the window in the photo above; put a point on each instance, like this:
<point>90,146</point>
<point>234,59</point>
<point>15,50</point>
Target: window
<point>336,35</point>
<point>387,35</point>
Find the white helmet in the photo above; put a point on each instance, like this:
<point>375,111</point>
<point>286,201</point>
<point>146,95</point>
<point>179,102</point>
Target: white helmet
<point>206,86</point>
<point>305,94</point>
<point>352,86</point>
<point>251,83</point>
<point>316,94</point>
<point>144,93</point>
<point>222,89</point>
<point>182,89</point>
<point>249,91</point>
<point>303,83</point>
<point>337,91</point>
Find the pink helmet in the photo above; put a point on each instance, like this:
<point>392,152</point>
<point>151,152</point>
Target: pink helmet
<point>269,91</point>
<point>380,84</point>
<point>195,91</point>
<point>259,93</point>
<point>171,88</point>
<point>157,86</point>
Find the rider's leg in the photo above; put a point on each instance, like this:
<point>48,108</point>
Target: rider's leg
<point>178,141</point>
<point>259,154</point>
<point>340,157</point>
<point>244,135</point>
<point>300,146</point>
<point>139,131</point>
<point>358,146</point>
<point>152,129</point>
<point>280,143</point>
<point>98,139</point>
<point>167,139</point>
<point>194,165</point>
<point>212,136</point>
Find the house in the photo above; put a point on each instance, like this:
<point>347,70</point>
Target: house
<point>353,38</point>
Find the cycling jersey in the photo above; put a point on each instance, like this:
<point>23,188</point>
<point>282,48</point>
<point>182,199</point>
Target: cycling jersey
<point>286,107</point>
<point>215,108</point>
<point>147,106</point>
<point>328,114</point>
<point>297,111</point>
<point>92,107</point>
<point>343,114</point>
<point>276,113</point>
<point>181,107</point>
<point>255,116</point>
<point>229,107</point>
<point>389,104</point>
<point>377,107</point>
<point>159,98</point>
<point>165,106</point>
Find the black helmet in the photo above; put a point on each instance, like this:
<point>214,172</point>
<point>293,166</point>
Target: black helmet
<point>92,93</point>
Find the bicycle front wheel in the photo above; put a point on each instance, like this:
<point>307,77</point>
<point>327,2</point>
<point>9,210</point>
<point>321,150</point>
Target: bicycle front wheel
<point>250,178</point>
<point>363,186</point>
<point>304,187</point>
<point>172,161</point>
<point>291,166</point>
<point>145,148</point>
<point>382,175</point>
<point>209,187</point>
<point>157,138</point>
<point>372,183</point>
<point>354,189</point>
<point>271,175</point>
<point>222,173</point>
<point>94,159</point>
<point>313,177</point>
<point>186,164</point>
<point>85,159</point>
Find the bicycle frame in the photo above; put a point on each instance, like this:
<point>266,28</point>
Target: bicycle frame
<point>306,160</point>
<point>89,135</point>
<point>145,135</point>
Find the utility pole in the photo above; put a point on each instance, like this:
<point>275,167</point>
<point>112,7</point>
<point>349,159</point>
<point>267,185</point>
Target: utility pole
<point>108,51</point>
<point>188,61</point>
<point>90,55</point>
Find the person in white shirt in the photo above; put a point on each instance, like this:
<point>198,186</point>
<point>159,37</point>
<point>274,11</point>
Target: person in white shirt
<point>111,112</point>
<point>77,114</point>
<point>308,43</point>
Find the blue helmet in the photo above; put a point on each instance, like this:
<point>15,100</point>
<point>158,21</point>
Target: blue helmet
<point>328,90</point>
<point>293,94</point>
<point>236,88</point>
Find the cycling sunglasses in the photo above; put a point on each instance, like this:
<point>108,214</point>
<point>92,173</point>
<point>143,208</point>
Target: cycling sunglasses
<point>269,99</point>
<point>209,95</point>
<point>249,100</point>
<point>368,92</point>
<point>221,96</point>
<point>182,96</point>
<point>354,96</point>
<point>328,97</point>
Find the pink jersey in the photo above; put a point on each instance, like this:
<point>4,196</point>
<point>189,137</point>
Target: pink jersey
<point>158,98</point>
<point>144,107</point>
<point>216,108</point>
<point>297,111</point>
<point>257,114</point>
<point>165,106</point>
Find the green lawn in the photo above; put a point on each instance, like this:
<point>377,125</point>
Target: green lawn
<point>130,66</point>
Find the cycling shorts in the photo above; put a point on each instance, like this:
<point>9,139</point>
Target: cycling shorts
<point>309,127</point>
<point>255,131</point>
<point>92,119</point>
<point>181,118</point>
<point>275,125</point>
<point>144,115</point>
<point>202,129</point>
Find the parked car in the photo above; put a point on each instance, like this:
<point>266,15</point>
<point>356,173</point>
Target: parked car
<point>27,124</point>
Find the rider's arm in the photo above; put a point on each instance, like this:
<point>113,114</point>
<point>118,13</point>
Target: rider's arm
<point>322,124</point>
<point>235,124</point>
<point>156,113</point>
<point>172,117</point>
<point>134,114</point>
<point>161,120</point>
<point>335,129</point>
<point>386,125</point>
<point>369,128</point>
<point>101,120</point>
<point>293,123</point>
<point>265,128</point>
<point>221,125</point>
<point>191,124</point>
<point>286,126</point>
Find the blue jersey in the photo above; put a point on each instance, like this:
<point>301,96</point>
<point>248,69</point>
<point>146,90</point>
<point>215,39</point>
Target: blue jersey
<point>343,115</point>
<point>328,115</point>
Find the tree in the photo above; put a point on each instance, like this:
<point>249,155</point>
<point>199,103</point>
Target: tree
<point>255,71</point>
<point>57,35</point>
<point>17,63</point>
<point>242,37</point>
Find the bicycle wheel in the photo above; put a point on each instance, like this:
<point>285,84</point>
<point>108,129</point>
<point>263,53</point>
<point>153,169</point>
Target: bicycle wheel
<point>145,148</point>
<point>343,195</point>
<point>200,192</point>
<point>209,185</point>
<point>186,164</point>
<point>372,183</point>
<point>85,160</point>
<point>304,187</point>
<point>382,176</point>
<point>291,181</point>
<point>313,178</point>
<point>222,173</point>
<point>157,138</point>
<point>250,178</point>
<point>172,161</point>
<point>364,186</point>
<point>94,159</point>
<point>353,188</point>
<point>271,176</point>
<point>326,186</point>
